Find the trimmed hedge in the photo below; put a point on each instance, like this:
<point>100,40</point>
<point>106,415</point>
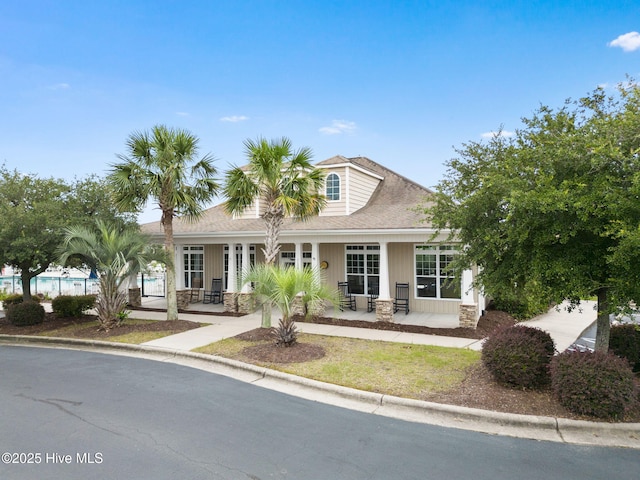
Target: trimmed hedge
<point>12,299</point>
<point>624,341</point>
<point>593,383</point>
<point>25,313</point>
<point>519,356</point>
<point>72,305</point>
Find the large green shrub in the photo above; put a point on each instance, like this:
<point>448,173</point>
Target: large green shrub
<point>12,299</point>
<point>593,383</point>
<point>519,356</point>
<point>72,305</point>
<point>624,341</point>
<point>25,313</point>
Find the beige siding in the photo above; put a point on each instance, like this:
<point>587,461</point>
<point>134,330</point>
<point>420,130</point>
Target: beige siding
<point>250,212</point>
<point>361,187</point>
<point>213,263</point>
<point>333,254</point>
<point>338,207</point>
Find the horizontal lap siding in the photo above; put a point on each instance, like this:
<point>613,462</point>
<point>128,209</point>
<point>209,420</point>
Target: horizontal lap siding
<point>338,207</point>
<point>213,263</point>
<point>361,187</point>
<point>333,254</point>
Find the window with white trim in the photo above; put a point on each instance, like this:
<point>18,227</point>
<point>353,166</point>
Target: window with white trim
<point>362,268</point>
<point>434,277</point>
<point>252,261</point>
<point>193,258</point>
<point>289,259</point>
<point>332,191</point>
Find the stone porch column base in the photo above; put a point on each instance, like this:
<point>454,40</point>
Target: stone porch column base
<point>384,310</point>
<point>246,303</point>
<point>230,301</point>
<point>135,298</point>
<point>468,316</point>
<point>183,297</point>
<point>298,307</point>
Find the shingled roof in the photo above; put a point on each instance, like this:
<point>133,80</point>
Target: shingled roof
<point>390,207</point>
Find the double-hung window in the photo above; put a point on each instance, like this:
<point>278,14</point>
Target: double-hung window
<point>363,268</point>
<point>434,276</point>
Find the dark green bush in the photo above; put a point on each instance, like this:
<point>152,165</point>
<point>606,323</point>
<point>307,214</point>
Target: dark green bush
<point>25,313</point>
<point>519,356</point>
<point>12,299</point>
<point>593,383</point>
<point>624,341</point>
<point>72,305</point>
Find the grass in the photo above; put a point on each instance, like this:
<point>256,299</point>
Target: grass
<point>131,337</point>
<point>404,370</point>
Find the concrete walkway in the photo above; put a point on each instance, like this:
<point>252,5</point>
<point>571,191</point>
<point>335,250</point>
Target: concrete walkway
<point>564,327</point>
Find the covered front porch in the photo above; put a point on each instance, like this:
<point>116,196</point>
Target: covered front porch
<point>433,320</point>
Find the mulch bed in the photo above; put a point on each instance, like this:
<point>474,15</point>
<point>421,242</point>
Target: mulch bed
<point>491,320</point>
<point>190,312</point>
<point>51,322</point>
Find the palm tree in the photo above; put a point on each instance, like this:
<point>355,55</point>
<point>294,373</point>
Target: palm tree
<point>114,254</point>
<point>283,287</point>
<point>161,166</point>
<point>283,181</point>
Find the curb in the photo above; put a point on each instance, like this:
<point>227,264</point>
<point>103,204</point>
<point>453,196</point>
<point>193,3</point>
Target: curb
<point>498,423</point>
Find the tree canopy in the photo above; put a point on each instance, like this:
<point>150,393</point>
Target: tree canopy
<point>34,212</point>
<point>553,212</point>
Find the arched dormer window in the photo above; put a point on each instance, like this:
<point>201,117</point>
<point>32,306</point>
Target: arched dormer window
<point>333,187</point>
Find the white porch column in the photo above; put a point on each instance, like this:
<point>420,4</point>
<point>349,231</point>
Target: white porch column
<point>315,253</point>
<point>467,288</point>
<point>232,277</point>
<point>384,293</point>
<point>246,256</point>
<point>469,312</point>
<point>178,261</point>
<point>298,254</point>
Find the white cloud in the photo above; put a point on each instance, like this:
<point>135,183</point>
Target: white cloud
<point>182,114</point>
<point>628,42</point>
<point>339,126</point>
<point>234,118</point>
<point>59,86</point>
<point>502,133</point>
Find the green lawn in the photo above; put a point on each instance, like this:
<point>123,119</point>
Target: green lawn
<point>392,368</point>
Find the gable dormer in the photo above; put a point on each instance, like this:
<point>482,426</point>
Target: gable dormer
<point>348,187</point>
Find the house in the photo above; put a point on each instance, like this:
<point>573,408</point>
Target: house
<point>368,235</point>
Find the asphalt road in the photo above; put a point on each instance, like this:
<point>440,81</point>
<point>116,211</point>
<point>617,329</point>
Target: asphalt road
<point>81,415</point>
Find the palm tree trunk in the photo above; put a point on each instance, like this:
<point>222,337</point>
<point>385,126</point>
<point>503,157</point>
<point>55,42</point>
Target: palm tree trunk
<point>172,299</point>
<point>603,324</point>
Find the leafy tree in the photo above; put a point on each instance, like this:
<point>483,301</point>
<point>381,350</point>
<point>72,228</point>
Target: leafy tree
<point>34,213</point>
<point>554,209</point>
<point>283,287</point>
<point>283,181</point>
<point>114,253</point>
<point>162,166</point>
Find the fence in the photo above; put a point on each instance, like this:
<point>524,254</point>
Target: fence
<point>152,285</point>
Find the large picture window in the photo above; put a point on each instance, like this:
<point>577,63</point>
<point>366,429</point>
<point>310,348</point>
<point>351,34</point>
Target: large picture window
<point>363,268</point>
<point>193,257</point>
<point>434,277</point>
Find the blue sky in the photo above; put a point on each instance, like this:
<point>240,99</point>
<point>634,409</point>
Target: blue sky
<point>401,82</point>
